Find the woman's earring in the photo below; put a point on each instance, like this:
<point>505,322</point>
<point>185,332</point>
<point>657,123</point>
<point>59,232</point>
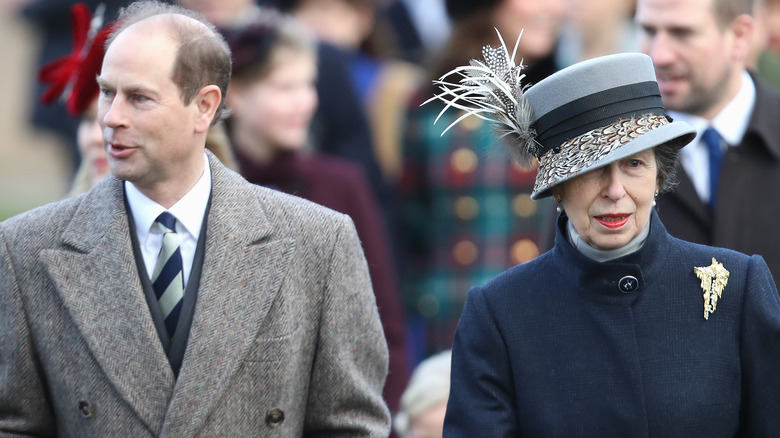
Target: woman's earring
<point>656,195</point>
<point>558,199</point>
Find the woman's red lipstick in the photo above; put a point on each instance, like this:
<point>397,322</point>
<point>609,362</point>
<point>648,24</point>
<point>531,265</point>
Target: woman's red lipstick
<point>613,220</point>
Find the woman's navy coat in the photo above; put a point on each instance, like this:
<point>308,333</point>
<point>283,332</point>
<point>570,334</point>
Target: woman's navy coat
<point>554,347</point>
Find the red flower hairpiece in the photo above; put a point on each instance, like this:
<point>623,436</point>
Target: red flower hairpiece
<point>73,76</point>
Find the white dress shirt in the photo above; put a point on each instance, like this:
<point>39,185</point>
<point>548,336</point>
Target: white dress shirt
<point>189,212</point>
<point>731,123</point>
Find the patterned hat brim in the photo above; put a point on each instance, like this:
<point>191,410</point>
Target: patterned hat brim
<point>603,146</point>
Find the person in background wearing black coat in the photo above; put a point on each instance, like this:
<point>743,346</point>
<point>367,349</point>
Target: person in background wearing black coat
<point>731,173</point>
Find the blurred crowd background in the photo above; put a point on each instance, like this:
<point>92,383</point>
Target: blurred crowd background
<point>454,209</point>
<point>38,162</point>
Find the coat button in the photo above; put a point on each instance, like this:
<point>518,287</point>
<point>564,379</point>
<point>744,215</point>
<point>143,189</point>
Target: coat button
<point>274,417</point>
<point>85,408</point>
<point>627,284</point>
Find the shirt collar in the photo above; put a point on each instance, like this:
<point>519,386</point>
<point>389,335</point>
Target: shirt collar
<point>731,123</point>
<point>189,210</point>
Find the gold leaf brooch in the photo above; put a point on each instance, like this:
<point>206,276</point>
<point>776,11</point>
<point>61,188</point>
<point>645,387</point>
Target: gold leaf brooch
<point>713,280</point>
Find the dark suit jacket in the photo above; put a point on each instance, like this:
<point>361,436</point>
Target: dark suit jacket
<point>553,348</point>
<point>747,212</point>
<point>285,338</point>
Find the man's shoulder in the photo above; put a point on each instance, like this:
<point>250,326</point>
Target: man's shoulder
<point>284,209</point>
<point>41,224</point>
<point>44,216</point>
<point>291,204</point>
<point>765,90</point>
<point>766,107</point>
<point>235,200</point>
<point>47,223</point>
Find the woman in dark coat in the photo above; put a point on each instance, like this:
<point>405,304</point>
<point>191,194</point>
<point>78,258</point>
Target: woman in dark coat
<point>621,330</point>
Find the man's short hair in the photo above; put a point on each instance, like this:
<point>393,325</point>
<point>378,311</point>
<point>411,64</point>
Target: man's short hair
<point>203,57</point>
<point>727,10</point>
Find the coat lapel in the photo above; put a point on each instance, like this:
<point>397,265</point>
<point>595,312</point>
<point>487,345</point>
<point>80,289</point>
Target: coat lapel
<point>96,276</point>
<point>688,197</point>
<point>242,270</point>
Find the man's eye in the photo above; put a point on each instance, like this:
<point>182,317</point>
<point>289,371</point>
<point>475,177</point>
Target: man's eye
<point>106,93</point>
<point>682,34</point>
<point>139,98</point>
<point>649,31</point>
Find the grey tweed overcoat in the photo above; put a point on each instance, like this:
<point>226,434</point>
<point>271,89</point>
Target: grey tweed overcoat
<point>285,341</point>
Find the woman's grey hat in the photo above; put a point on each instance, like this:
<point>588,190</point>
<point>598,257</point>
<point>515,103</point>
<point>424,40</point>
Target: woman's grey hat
<point>597,112</point>
<point>581,118</point>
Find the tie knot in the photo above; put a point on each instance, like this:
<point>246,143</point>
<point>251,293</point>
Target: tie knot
<point>711,138</point>
<point>167,220</point>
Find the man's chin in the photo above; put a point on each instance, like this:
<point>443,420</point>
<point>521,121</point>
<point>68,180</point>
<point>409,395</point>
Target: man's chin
<point>122,173</point>
<point>674,102</point>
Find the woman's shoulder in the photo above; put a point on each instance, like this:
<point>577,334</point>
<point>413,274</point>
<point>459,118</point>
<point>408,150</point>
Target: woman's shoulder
<point>742,269</point>
<point>699,253</point>
<point>524,278</point>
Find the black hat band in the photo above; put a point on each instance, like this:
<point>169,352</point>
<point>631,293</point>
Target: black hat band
<point>596,110</point>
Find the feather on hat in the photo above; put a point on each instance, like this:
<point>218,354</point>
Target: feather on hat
<point>493,91</point>
<point>576,120</point>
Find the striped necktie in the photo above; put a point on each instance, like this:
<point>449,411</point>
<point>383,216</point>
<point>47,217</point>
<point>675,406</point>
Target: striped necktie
<point>168,276</point>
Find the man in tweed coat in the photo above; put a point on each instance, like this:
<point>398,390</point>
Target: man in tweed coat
<point>277,334</point>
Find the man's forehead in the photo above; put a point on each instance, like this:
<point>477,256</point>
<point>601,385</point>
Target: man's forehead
<point>151,27</point>
<point>145,39</point>
<point>166,22</point>
<point>138,56</point>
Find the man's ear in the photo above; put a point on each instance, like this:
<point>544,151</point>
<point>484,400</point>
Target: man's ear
<point>207,101</point>
<point>742,27</point>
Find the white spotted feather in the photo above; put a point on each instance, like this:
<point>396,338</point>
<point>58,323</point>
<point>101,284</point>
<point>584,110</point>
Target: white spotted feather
<point>492,90</point>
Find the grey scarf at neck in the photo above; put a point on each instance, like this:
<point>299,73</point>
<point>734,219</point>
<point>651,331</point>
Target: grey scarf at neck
<point>605,255</point>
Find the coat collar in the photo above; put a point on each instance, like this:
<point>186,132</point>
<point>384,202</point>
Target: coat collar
<point>242,269</point>
<point>601,280</point>
<point>763,121</point>
<point>761,133</point>
<point>107,303</point>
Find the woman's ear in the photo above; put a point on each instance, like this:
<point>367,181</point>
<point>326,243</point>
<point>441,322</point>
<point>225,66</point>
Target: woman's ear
<point>556,194</point>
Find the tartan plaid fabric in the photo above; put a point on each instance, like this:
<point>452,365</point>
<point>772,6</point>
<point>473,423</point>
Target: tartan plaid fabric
<point>467,216</point>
